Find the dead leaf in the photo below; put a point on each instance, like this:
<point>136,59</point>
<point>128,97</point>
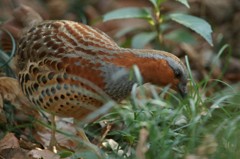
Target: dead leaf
<point>2,115</point>
<point>65,125</point>
<point>142,144</point>
<point>9,141</point>
<point>110,143</point>
<point>23,17</point>
<point>191,156</point>
<point>208,146</point>
<point>28,145</point>
<point>43,154</point>
<point>13,153</point>
<point>10,91</point>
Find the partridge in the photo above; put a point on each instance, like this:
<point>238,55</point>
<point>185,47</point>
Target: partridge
<point>71,69</point>
<point>67,68</point>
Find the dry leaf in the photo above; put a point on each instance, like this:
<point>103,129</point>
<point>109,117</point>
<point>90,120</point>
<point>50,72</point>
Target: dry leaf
<point>43,154</point>
<point>43,134</point>
<point>28,145</point>
<point>142,143</point>
<point>23,17</point>
<point>191,156</point>
<point>10,91</point>
<point>208,146</point>
<point>9,141</point>
<point>110,143</point>
<point>13,153</point>
<point>2,115</point>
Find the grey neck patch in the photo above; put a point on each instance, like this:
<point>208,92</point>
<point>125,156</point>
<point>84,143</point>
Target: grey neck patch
<point>118,83</point>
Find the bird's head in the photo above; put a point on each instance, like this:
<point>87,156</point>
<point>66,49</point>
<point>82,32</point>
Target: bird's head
<point>162,68</point>
<point>156,67</point>
<point>179,79</point>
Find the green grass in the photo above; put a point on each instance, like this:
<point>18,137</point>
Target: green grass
<point>199,125</point>
<point>181,127</point>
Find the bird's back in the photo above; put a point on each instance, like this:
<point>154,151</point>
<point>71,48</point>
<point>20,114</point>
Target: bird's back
<point>62,39</point>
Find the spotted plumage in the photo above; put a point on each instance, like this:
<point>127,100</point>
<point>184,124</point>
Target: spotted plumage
<point>71,69</point>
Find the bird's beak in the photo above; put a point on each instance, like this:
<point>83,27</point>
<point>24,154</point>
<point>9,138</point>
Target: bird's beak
<point>182,88</point>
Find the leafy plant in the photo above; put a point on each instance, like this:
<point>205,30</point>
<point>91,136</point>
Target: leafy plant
<point>160,23</point>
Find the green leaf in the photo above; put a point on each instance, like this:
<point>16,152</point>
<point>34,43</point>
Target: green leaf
<point>181,35</point>
<point>65,153</point>
<point>156,3</point>
<point>184,2</point>
<point>125,13</point>
<point>127,30</point>
<point>196,24</point>
<point>140,40</point>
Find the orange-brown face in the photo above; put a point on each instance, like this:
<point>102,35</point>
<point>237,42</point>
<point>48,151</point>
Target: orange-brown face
<point>162,72</point>
<point>159,69</point>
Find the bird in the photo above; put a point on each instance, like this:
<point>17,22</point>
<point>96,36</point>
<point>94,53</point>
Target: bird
<point>66,68</point>
<point>71,69</point>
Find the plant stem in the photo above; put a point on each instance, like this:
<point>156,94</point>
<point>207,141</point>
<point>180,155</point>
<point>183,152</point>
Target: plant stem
<point>157,22</point>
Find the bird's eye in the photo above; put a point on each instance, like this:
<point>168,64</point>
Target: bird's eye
<point>177,74</point>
